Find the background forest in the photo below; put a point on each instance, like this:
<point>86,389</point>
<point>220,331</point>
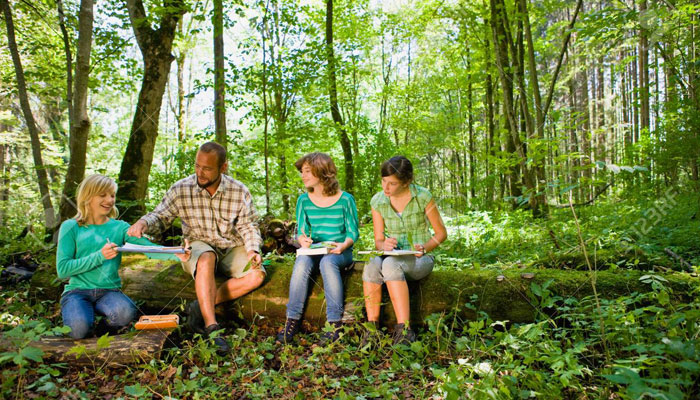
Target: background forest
<point>547,131</point>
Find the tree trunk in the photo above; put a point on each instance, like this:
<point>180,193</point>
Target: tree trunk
<point>155,46</point>
<point>539,112</point>
<point>219,75</point>
<point>506,77</point>
<point>158,283</point>
<point>43,180</point>
<point>69,62</point>
<point>80,122</point>
<point>266,149</point>
<point>333,95</point>
<point>644,72</point>
<point>472,151</point>
<point>4,177</point>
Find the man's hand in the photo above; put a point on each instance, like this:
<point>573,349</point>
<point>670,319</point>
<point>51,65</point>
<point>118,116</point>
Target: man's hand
<point>389,244</point>
<point>188,252</point>
<point>137,229</point>
<point>305,241</point>
<point>254,259</point>
<point>109,250</point>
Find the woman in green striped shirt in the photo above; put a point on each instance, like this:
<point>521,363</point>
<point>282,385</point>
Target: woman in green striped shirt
<point>401,215</point>
<point>324,214</point>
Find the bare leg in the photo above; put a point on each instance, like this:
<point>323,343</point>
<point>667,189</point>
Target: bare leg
<point>398,291</point>
<point>205,286</point>
<point>373,299</point>
<point>237,287</point>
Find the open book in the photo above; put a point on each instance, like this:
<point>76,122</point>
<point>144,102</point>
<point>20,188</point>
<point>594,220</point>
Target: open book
<point>135,248</point>
<point>316,249</point>
<point>391,252</point>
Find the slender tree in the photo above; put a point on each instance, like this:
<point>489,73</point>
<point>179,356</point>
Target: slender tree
<point>43,180</point>
<point>333,96</point>
<point>79,120</point>
<point>219,75</point>
<point>155,45</point>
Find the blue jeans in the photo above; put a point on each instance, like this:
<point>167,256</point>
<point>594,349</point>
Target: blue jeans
<point>330,266</point>
<point>78,308</point>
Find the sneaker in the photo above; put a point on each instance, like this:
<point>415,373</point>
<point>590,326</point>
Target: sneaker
<point>195,321</point>
<point>291,327</point>
<point>222,346</point>
<point>333,335</point>
<point>403,335</point>
<point>371,336</point>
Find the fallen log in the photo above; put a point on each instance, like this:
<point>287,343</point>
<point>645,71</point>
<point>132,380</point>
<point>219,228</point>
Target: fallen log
<point>503,294</point>
<point>136,347</point>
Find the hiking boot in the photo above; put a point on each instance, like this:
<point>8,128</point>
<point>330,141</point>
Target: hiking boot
<point>403,335</point>
<point>222,346</point>
<point>371,336</point>
<point>332,335</point>
<point>195,321</point>
<point>291,327</point>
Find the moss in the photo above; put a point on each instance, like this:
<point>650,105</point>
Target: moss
<point>156,283</point>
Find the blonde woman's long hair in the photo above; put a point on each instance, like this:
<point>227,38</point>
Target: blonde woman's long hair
<point>93,185</point>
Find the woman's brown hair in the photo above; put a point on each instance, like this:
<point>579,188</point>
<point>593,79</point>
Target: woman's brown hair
<point>323,168</point>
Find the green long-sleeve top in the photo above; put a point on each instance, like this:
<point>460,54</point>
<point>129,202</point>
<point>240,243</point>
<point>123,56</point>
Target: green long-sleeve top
<point>334,223</point>
<point>79,256</point>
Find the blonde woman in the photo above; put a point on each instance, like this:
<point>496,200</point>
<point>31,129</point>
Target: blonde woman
<point>87,256</point>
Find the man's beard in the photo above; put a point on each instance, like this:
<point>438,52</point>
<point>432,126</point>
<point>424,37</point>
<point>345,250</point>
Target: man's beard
<point>209,183</point>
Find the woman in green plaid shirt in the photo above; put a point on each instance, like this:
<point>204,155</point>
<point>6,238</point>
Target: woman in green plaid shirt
<point>401,215</point>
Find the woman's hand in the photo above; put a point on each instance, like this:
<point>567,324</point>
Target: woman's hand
<point>109,250</point>
<point>338,249</point>
<point>389,244</point>
<point>188,252</point>
<point>304,241</point>
<point>421,248</point>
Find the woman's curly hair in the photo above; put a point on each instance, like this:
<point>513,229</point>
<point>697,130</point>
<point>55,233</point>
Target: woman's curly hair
<point>323,168</point>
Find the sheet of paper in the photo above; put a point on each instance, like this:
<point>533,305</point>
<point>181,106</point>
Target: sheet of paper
<point>391,253</point>
<point>136,248</point>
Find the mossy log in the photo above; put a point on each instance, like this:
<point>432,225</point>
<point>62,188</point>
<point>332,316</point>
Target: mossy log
<point>503,295</point>
<point>130,348</point>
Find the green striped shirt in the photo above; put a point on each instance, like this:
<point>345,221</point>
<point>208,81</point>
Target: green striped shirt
<point>412,226</point>
<point>334,223</point>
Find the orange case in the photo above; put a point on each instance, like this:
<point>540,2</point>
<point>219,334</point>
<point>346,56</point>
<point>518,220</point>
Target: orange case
<point>158,322</point>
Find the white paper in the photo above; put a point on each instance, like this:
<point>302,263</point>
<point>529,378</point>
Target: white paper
<point>391,253</point>
<point>136,248</point>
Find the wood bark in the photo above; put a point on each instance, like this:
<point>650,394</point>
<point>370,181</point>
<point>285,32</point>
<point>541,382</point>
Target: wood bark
<point>219,75</point>
<point>333,96</point>
<point>80,121</point>
<point>137,347</point>
<point>43,180</point>
<point>506,78</point>
<point>155,45</point>
<point>539,165</point>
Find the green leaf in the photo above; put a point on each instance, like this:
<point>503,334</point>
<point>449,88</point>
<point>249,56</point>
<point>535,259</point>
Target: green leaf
<point>104,341</point>
<point>32,353</point>
<point>135,390</point>
<point>78,350</point>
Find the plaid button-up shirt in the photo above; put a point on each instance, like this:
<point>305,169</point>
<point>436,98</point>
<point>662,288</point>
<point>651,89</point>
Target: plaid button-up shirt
<point>223,220</point>
<point>412,226</point>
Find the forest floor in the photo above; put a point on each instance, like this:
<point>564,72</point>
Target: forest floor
<point>638,345</point>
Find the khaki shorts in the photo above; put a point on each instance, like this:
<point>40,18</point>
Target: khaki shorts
<point>231,262</point>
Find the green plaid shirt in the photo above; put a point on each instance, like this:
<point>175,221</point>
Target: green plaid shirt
<point>412,226</point>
